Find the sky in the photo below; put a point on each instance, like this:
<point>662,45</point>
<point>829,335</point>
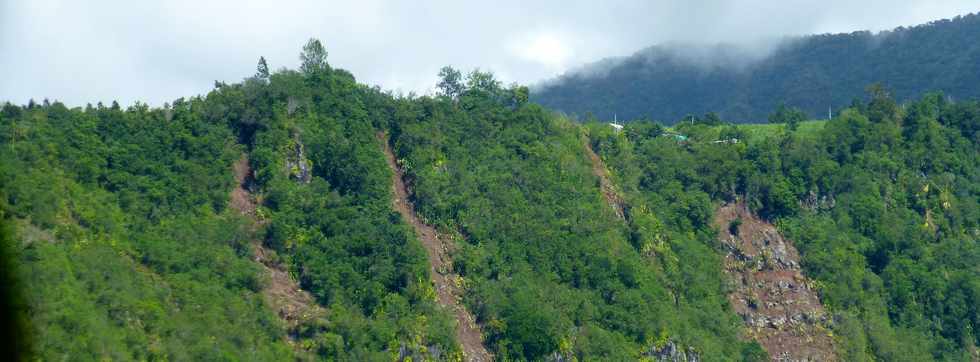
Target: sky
<point>82,52</point>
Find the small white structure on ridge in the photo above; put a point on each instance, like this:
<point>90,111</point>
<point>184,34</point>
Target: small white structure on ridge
<point>615,123</point>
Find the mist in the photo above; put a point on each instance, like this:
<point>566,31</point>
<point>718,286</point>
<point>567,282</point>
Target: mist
<point>156,52</point>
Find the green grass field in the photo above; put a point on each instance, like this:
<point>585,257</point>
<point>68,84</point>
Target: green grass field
<point>756,132</point>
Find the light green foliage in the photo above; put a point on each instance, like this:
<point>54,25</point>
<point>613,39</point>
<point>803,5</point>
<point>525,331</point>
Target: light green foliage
<point>338,233</point>
<point>550,267</point>
<point>122,236</point>
<point>132,253</point>
<point>882,204</point>
<point>122,230</point>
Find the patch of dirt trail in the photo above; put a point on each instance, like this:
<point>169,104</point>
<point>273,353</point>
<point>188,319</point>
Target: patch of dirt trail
<point>605,183</point>
<point>292,304</point>
<point>438,246</point>
<point>778,304</point>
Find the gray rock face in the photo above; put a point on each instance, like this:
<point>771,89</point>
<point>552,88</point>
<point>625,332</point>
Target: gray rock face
<point>670,352</point>
<point>776,301</point>
<point>297,166</point>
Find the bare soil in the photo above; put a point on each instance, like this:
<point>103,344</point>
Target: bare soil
<point>292,304</point>
<point>438,247</point>
<point>605,183</point>
<point>778,304</point>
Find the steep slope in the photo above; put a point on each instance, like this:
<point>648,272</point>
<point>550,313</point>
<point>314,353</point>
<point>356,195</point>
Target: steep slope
<point>439,247</point>
<point>551,271</point>
<point>292,304</point>
<point>326,195</point>
<point>815,73</point>
<point>881,202</point>
<point>778,304</point>
<point>122,234</point>
<point>605,182</point>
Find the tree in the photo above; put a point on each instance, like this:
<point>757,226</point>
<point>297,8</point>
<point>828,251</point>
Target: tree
<point>791,116</point>
<point>521,95</point>
<point>313,57</point>
<point>482,81</point>
<point>711,119</point>
<point>450,85</point>
<point>262,70</point>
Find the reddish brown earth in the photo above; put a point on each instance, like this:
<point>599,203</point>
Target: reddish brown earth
<point>605,184</point>
<point>438,247</point>
<point>778,304</point>
<point>292,304</point>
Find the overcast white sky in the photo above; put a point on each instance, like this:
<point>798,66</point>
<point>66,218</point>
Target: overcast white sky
<point>157,51</point>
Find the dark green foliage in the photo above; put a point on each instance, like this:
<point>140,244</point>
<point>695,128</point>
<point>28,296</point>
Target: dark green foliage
<point>337,231</point>
<point>313,58</point>
<point>15,329</point>
<point>550,269</point>
<point>120,224</point>
<point>791,116</point>
<point>882,204</point>
<point>121,233</point>
<point>450,84</point>
<point>123,229</point>
<point>812,73</point>
<point>262,69</point>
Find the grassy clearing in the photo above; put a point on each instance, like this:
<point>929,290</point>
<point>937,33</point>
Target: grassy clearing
<point>754,132</point>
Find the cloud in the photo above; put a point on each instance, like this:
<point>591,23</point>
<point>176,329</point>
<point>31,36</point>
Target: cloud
<point>105,50</point>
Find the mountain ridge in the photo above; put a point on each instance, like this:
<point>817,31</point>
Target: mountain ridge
<point>813,72</point>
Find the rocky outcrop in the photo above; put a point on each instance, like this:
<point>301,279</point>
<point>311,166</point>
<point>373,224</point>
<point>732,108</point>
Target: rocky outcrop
<point>297,165</point>
<point>293,305</point>
<point>814,202</point>
<point>671,352</point>
<point>778,304</point>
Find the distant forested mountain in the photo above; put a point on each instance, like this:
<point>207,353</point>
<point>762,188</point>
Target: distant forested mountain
<point>814,73</point>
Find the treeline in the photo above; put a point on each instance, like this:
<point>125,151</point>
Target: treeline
<point>883,203</point>
<point>814,73</point>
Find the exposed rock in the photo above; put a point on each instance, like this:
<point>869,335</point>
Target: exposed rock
<point>449,287</point>
<point>297,165</point>
<point>813,202</point>
<point>294,306</point>
<point>780,309</point>
<point>670,352</point>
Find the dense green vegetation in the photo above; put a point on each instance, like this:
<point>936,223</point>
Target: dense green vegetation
<point>548,265</point>
<point>120,223</point>
<point>883,203</point>
<point>815,72</point>
<point>124,234</point>
<point>14,324</point>
<point>335,227</point>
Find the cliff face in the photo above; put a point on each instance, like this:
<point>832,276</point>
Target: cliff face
<point>778,304</point>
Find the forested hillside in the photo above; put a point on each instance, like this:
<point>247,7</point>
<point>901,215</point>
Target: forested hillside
<point>120,225</point>
<point>815,73</point>
<point>883,203</point>
<point>123,231</point>
<point>551,271</point>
